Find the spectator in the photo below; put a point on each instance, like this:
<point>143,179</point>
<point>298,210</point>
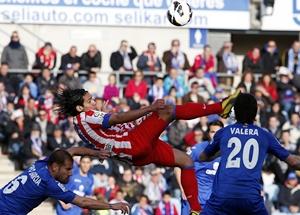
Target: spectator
<point>157,89</point>
<point>91,60</point>
<point>285,89</point>
<point>47,127</point>
<point>285,140</point>
<point>289,195</point>
<point>33,147</point>
<point>22,99</point>
<point>30,110</point>
<point>11,83</point>
<point>69,80</point>
<point>207,62</point>
<point>58,140</point>
<point>176,133</point>
<point>111,90</point>
<point>296,105</point>
<point>252,61</point>
<point>109,192</point>
<point>130,188</point>
<point>148,60</point>
<point>14,54</point>
<point>292,56</point>
<point>227,62</point>
<point>175,58</point>
<point>268,87</point>
<point>248,82</point>
<point>171,97</point>
<point>294,127</point>
<point>270,58</point>
<point>121,60</point>
<point>3,97</point>
<point>226,59</point>
<point>166,206</point>
<point>17,131</point>
<point>93,85</point>
<point>276,110</point>
<point>274,126</point>
<point>28,80</point>
<point>155,187</point>
<point>70,58</point>
<point>174,79</point>
<point>206,88</point>
<point>45,81</point>
<point>292,62</point>
<point>45,57</point>
<point>119,198</point>
<point>193,137</point>
<point>193,95</point>
<point>136,86</point>
<point>81,183</point>
<point>138,175</point>
<point>142,207</point>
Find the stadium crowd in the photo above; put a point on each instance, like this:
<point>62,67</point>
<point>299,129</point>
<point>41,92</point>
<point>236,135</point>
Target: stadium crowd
<point>31,130</point>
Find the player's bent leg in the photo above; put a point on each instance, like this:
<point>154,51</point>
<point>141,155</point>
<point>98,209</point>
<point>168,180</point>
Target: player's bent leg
<point>145,135</point>
<point>163,154</point>
<point>188,179</point>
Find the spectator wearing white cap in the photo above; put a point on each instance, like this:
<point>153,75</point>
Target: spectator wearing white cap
<point>285,89</point>
<point>289,194</point>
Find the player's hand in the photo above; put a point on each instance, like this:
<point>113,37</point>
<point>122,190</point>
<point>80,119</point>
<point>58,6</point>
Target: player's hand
<point>159,104</point>
<point>124,207</point>
<point>102,154</point>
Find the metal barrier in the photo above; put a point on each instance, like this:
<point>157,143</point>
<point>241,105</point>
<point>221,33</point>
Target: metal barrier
<point>121,86</point>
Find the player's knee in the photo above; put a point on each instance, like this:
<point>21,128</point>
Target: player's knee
<point>188,162</point>
<point>185,162</point>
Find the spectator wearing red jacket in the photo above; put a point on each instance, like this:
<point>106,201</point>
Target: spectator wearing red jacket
<point>268,87</point>
<point>137,85</point>
<point>252,61</point>
<point>207,62</point>
<point>45,57</point>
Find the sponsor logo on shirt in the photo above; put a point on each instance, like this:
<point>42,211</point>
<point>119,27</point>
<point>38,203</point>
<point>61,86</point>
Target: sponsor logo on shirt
<point>34,175</point>
<point>62,187</point>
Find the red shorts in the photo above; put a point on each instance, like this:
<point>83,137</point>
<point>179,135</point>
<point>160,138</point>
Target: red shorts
<point>146,146</point>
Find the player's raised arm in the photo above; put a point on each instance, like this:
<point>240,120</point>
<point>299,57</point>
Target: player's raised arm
<point>101,154</point>
<point>135,114</point>
<point>293,161</point>
<point>89,203</point>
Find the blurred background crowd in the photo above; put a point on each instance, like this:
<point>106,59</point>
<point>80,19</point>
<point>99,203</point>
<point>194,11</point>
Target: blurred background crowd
<point>31,130</point>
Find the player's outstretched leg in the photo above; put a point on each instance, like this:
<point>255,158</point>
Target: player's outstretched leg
<point>188,180</point>
<point>194,110</point>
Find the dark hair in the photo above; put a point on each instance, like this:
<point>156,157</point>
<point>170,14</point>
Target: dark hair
<point>85,156</point>
<point>67,101</point>
<point>245,108</point>
<point>167,192</point>
<point>215,123</point>
<point>59,157</point>
<point>144,196</point>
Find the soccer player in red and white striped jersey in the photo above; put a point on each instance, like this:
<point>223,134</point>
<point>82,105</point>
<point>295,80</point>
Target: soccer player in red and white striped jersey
<point>139,142</point>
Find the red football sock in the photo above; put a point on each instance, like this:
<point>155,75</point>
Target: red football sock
<point>194,110</point>
<point>190,187</point>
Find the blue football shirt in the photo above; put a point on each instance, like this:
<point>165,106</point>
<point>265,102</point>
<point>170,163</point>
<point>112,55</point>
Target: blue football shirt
<point>30,189</point>
<point>80,185</point>
<point>205,172</point>
<point>243,150</point>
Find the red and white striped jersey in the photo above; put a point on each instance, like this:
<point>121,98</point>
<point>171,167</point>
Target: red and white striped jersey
<point>93,127</point>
